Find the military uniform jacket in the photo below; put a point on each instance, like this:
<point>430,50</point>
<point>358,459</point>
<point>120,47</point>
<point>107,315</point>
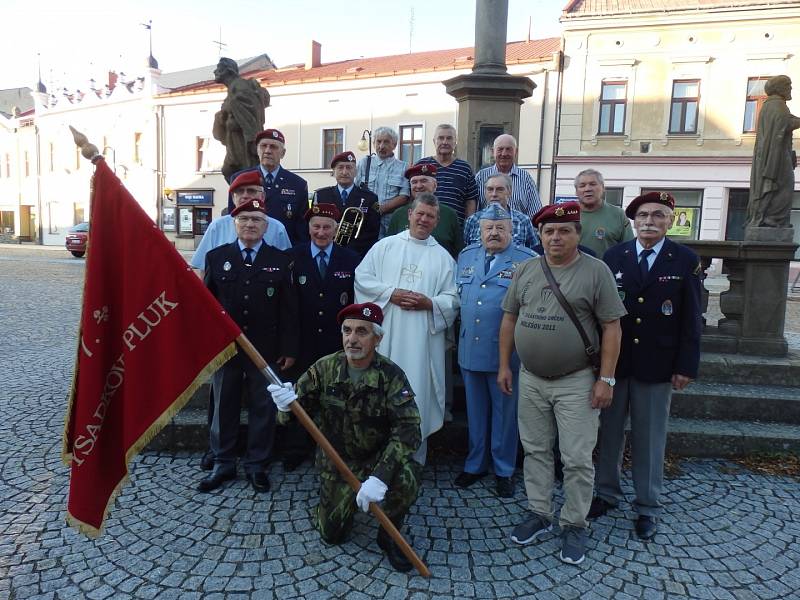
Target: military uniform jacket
<point>287,201</point>
<point>661,332</point>
<point>369,205</point>
<point>374,424</point>
<point>321,300</point>
<point>259,298</point>
<point>481,303</point>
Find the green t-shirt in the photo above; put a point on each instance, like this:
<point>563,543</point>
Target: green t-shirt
<point>605,227</point>
<point>447,232</point>
<point>546,340</point>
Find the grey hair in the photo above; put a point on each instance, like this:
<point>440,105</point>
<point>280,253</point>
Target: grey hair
<point>424,198</point>
<point>507,181</point>
<point>386,131</point>
<point>494,143</point>
<point>446,126</point>
<point>593,173</point>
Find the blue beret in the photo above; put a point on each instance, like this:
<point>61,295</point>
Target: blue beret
<point>494,212</point>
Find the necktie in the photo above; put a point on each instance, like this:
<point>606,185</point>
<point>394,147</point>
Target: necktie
<point>269,180</point>
<point>344,197</point>
<point>322,264</point>
<point>248,259</point>
<point>644,266</point>
<point>487,264</point>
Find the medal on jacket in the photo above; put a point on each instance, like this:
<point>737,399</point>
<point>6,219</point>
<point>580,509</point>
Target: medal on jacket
<point>301,280</point>
<point>343,299</point>
<point>270,292</point>
<point>666,308</point>
<point>226,266</point>
<point>288,211</point>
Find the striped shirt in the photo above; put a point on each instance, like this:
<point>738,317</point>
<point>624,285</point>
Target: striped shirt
<point>522,230</point>
<point>524,195</point>
<point>455,184</point>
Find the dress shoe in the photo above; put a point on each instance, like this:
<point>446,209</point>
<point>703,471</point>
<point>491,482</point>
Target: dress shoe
<point>207,462</point>
<point>259,481</point>
<point>504,486</point>
<point>467,479</point>
<point>291,462</point>
<point>599,507</point>
<point>216,479</point>
<point>396,557</point>
<point>646,527</point>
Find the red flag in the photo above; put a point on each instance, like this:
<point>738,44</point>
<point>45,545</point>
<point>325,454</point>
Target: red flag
<point>150,335</point>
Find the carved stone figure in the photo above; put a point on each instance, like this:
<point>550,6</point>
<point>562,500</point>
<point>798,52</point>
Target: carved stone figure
<point>772,174</point>
<point>240,118</point>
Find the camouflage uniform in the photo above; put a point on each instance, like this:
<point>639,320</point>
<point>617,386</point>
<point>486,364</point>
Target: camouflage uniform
<point>374,425</point>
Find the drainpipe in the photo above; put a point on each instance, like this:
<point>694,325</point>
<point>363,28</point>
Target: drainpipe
<point>553,167</point>
<point>541,132</point>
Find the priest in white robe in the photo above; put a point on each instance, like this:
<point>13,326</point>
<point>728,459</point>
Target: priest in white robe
<point>412,278</point>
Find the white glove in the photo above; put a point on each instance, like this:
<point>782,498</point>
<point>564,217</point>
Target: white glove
<point>282,396</point>
<point>372,490</point>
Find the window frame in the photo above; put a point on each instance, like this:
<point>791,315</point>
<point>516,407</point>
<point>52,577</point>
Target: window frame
<point>759,100</point>
<point>612,104</point>
<point>684,101</point>
<point>337,147</point>
<point>402,144</point>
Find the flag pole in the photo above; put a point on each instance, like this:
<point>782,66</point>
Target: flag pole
<point>331,452</point>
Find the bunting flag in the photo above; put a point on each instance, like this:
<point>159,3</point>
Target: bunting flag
<point>150,335</point>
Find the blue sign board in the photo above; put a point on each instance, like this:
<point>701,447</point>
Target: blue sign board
<point>195,197</point>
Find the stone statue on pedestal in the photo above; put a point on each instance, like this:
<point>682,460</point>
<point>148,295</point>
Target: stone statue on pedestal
<point>240,119</point>
<point>772,174</point>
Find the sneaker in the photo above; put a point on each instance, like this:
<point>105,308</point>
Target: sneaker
<point>530,530</point>
<point>573,545</point>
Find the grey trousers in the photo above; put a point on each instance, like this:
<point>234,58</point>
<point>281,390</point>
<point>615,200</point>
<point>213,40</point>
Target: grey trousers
<point>227,384</point>
<point>648,407</point>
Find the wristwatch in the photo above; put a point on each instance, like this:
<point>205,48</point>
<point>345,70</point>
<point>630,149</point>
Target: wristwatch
<point>609,380</point>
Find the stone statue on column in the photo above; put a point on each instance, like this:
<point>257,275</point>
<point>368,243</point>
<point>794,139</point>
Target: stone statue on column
<point>774,161</point>
<point>240,119</point>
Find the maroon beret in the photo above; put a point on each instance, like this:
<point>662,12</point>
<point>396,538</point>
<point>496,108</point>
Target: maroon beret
<point>345,156</point>
<point>657,197</point>
<point>252,177</point>
<point>566,212</point>
<point>421,169</point>
<point>323,210</point>
<point>364,312</point>
<point>251,206</point>
<point>272,134</point>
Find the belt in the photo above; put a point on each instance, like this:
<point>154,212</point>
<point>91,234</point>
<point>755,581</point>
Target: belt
<point>560,375</point>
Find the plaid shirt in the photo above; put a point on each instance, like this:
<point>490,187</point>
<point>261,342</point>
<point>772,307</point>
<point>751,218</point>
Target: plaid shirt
<point>522,230</point>
<point>387,179</point>
<point>524,196</point>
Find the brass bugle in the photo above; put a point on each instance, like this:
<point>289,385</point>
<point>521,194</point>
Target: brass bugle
<point>349,226</point>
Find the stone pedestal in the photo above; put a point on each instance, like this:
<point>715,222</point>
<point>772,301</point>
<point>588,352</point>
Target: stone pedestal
<point>783,235</point>
<point>488,98</point>
<point>754,307</point>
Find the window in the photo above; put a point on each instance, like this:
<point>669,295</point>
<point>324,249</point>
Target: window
<point>688,212</point>
<point>410,143</point>
<point>332,144</point>
<point>137,148</point>
<point>77,213</point>
<point>209,154</point>
<point>685,100</point>
<point>752,106</point>
<point>614,196</point>
<point>613,96</point>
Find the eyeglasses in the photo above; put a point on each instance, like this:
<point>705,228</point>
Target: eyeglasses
<point>243,219</point>
<point>655,214</point>
<point>250,191</point>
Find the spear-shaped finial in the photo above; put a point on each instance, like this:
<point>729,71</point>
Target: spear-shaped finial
<point>88,150</point>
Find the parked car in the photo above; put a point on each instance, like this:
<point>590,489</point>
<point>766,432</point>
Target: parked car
<point>77,238</point>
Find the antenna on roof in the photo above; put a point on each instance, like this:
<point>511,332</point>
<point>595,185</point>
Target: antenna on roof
<point>529,28</point>
<point>410,28</point>
<point>219,43</point>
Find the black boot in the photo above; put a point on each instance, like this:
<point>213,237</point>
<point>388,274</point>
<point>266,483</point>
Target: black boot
<point>396,557</point>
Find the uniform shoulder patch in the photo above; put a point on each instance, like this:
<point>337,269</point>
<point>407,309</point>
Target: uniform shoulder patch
<point>377,207</point>
<point>698,269</point>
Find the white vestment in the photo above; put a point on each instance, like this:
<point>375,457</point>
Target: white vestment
<point>413,339</point>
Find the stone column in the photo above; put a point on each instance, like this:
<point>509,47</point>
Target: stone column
<point>488,98</point>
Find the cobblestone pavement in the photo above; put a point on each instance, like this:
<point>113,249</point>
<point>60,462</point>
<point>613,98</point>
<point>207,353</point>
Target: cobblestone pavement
<point>726,533</point>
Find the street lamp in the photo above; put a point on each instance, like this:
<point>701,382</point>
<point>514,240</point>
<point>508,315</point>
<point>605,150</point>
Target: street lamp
<point>365,145</point>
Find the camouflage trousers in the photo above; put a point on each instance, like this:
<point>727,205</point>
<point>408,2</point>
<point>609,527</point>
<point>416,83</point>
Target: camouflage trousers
<point>337,501</point>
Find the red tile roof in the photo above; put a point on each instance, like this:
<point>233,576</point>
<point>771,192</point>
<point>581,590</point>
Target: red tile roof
<point>597,8</point>
<point>384,66</point>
